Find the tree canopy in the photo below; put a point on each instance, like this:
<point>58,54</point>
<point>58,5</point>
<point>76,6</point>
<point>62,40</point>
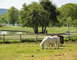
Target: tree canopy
<point>68,10</point>
<point>12,15</point>
<point>35,15</point>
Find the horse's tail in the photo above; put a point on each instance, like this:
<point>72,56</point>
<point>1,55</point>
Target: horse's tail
<point>62,40</point>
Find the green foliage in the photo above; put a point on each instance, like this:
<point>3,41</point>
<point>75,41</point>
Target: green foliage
<point>75,22</point>
<point>68,10</point>
<point>12,15</point>
<point>31,40</point>
<point>9,41</point>
<point>30,16</point>
<point>35,15</point>
<point>71,39</point>
<point>51,10</point>
<point>0,19</point>
<point>28,40</point>
<point>3,19</point>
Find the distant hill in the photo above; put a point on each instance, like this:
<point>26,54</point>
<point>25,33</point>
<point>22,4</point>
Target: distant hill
<point>3,11</point>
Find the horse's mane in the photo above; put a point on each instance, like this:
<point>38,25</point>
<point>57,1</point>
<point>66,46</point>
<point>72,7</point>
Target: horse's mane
<point>43,41</point>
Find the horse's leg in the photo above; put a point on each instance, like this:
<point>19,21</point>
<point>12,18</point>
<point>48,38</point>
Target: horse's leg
<point>58,45</point>
<point>52,44</point>
<point>47,46</point>
<point>61,45</point>
<point>55,46</point>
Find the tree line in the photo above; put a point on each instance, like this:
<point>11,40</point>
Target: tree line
<point>42,14</point>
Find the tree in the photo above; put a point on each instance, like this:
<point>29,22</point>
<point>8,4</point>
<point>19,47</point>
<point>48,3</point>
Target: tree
<point>51,12</point>
<point>1,19</point>
<point>4,18</point>
<point>30,16</point>
<point>68,10</point>
<point>35,15</point>
<point>12,15</point>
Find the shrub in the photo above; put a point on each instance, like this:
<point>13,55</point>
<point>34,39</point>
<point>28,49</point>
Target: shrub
<point>28,40</point>
<point>31,40</point>
<point>6,41</point>
<point>71,39</point>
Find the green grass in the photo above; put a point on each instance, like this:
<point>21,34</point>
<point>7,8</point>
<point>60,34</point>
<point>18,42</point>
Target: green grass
<point>32,51</point>
<point>16,28</point>
<point>49,29</point>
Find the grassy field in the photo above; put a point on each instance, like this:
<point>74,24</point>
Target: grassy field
<point>33,51</point>
<point>50,29</point>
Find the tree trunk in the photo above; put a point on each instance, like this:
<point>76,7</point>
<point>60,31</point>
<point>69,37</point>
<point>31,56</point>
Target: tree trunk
<point>35,29</point>
<point>13,24</point>
<point>42,29</point>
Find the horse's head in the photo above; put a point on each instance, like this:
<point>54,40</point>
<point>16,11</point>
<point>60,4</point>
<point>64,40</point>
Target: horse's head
<point>42,44</point>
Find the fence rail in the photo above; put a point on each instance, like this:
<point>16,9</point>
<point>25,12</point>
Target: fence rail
<point>33,36</point>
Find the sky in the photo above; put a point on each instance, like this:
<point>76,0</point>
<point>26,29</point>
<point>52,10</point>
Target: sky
<point>18,3</point>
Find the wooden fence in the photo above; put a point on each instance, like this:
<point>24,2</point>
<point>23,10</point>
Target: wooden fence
<point>19,37</point>
<point>33,36</point>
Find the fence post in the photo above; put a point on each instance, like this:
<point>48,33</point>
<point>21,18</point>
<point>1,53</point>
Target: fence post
<point>20,37</point>
<point>68,35</point>
<point>68,32</point>
<point>3,38</point>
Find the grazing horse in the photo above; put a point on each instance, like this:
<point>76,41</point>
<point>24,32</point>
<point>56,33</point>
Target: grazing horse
<point>61,39</point>
<point>49,39</point>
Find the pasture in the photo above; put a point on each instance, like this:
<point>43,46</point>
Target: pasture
<point>33,51</point>
<point>51,30</point>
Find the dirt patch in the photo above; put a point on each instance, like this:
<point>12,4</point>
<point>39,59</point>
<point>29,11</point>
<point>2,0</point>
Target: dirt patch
<point>65,56</point>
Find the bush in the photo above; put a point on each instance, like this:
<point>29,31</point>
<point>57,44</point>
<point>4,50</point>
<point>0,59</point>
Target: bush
<point>66,40</point>
<point>71,39</point>
<point>28,40</point>
<point>31,40</point>
<point>6,41</point>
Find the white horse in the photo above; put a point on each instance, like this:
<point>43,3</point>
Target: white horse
<point>50,39</point>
